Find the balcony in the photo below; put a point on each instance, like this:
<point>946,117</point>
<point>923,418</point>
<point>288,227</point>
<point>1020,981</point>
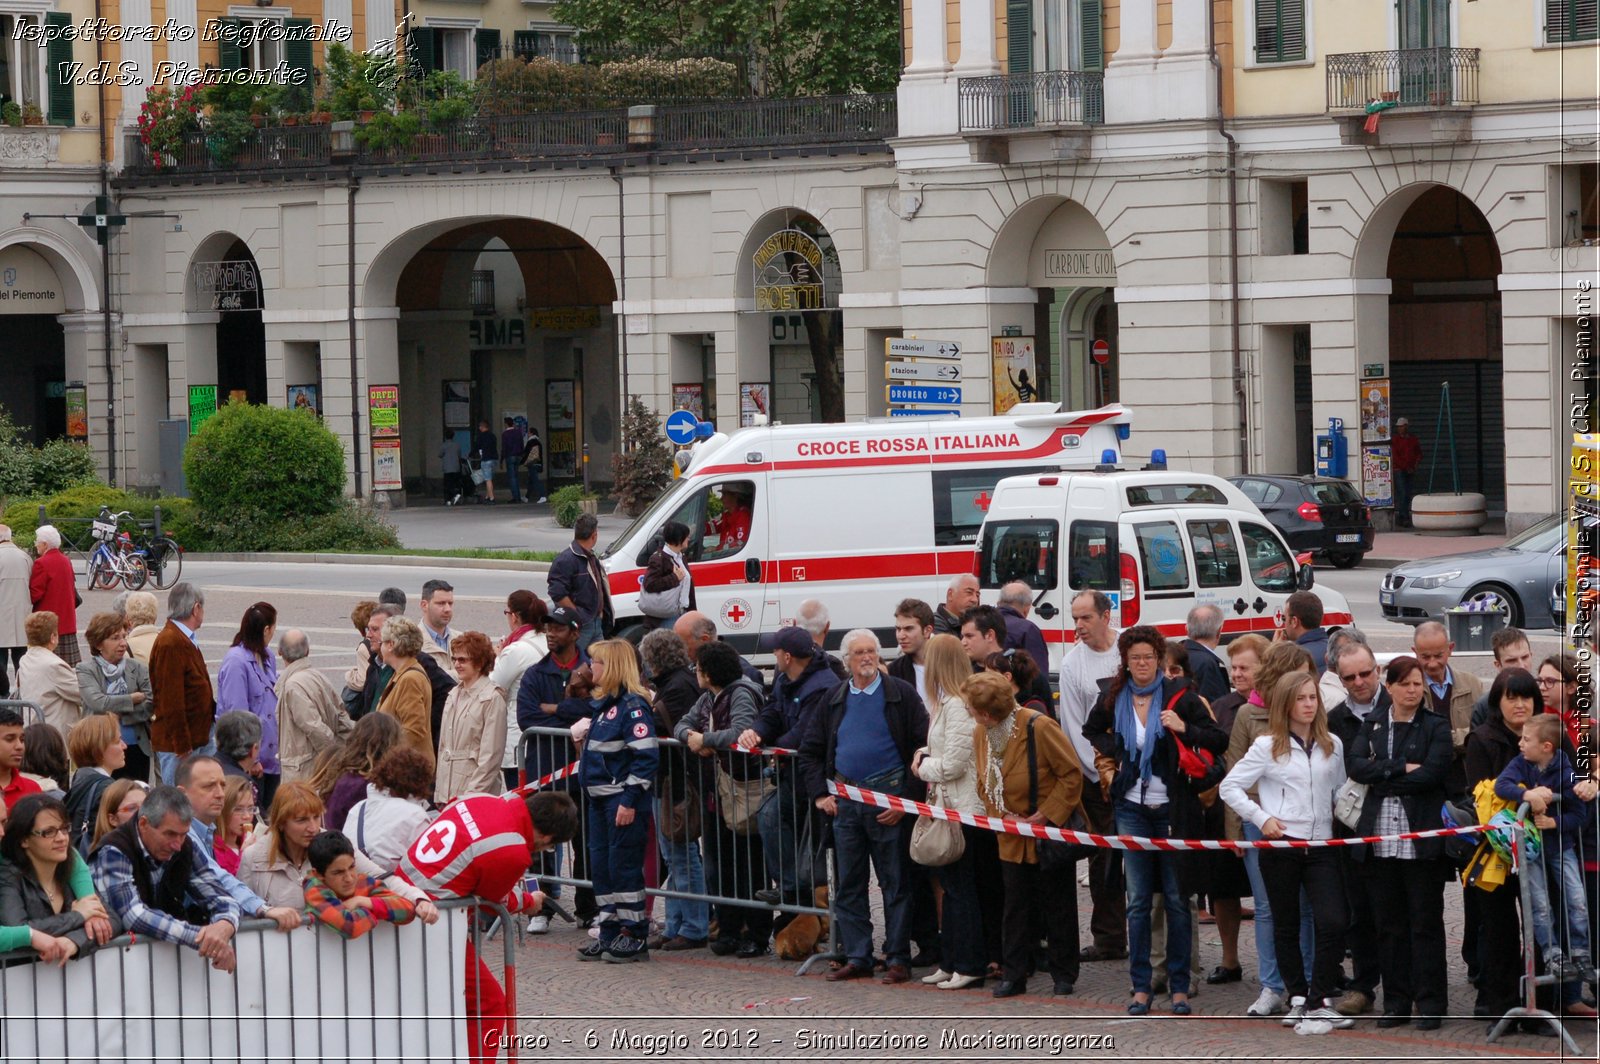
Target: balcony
<point>1001,103</point>
<point>860,123</point>
<point>1439,85</point>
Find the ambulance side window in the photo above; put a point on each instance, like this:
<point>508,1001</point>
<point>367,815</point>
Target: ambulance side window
<point>1216,554</point>
<point>1161,554</point>
<point>1019,550</point>
<point>960,499</point>
<point>729,512</point>
<point>1270,565</point>
<point>1092,557</point>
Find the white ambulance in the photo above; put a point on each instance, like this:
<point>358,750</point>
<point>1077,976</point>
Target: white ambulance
<point>859,515</point>
<point>1156,542</point>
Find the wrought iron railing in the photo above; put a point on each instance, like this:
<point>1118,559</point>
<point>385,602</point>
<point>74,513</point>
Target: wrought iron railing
<point>1027,101</point>
<point>1412,77</point>
<point>855,119</point>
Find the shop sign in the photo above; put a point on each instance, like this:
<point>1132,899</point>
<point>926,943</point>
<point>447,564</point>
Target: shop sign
<point>27,284</point>
<point>386,466</point>
<point>77,397</point>
<point>383,410</point>
<point>1079,264</point>
<point>202,405</point>
<point>788,273</point>
<point>229,284</point>
<point>565,319</point>
<point>497,332</point>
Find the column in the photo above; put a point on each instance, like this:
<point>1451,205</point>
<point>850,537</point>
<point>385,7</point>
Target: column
<point>929,103</point>
<point>928,52</point>
<point>1133,91</point>
<point>977,39</point>
<point>1188,81</point>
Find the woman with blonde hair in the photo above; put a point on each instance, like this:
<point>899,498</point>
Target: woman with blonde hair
<point>96,747</point>
<point>1295,770</point>
<point>119,804</point>
<point>140,611</point>
<point>946,763</point>
<point>234,823</point>
<point>408,696</point>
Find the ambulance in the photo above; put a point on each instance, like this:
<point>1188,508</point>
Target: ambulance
<point>1156,542</point>
<point>859,515</point>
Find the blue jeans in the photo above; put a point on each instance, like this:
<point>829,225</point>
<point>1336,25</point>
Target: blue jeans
<point>514,479</point>
<point>535,484</point>
<point>691,919</point>
<point>1266,951</point>
<point>592,632</point>
<point>1568,873</point>
<point>857,839</point>
<point>1147,872</point>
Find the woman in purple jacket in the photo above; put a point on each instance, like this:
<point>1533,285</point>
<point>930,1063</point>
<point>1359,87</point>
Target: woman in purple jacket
<point>246,681</point>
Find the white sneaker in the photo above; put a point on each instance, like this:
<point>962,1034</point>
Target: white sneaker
<point>542,498</point>
<point>1310,1026</point>
<point>1297,1011</point>
<point>939,975</point>
<point>594,932</point>
<point>1083,878</point>
<point>539,925</point>
<point>1331,1016</point>
<point>1270,1003</point>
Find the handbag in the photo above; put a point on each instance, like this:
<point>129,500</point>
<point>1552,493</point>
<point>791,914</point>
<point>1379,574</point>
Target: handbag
<point>660,605</point>
<point>1348,801</point>
<point>738,801</point>
<point>680,820</point>
<point>935,841</point>
<point>478,477</point>
<point>1053,856</point>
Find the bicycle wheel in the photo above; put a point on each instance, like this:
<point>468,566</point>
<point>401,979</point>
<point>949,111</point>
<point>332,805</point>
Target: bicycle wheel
<point>101,575</point>
<point>165,563</point>
<point>134,572</point>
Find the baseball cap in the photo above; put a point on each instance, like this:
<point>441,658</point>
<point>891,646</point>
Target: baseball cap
<point>1402,421</point>
<point>563,615</point>
<point>791,640</point>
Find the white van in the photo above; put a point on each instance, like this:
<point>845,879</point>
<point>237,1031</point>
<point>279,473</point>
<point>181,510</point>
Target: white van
<point>1156,542</point>
<point>859,515</point>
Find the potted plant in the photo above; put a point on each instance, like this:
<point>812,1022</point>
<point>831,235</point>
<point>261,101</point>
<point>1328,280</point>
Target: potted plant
<point>11,114</point>
<point>355,87</point>
<point>389,133</point>
<point>31,115</point>
<point>166,118</point>
<point>227,133</point>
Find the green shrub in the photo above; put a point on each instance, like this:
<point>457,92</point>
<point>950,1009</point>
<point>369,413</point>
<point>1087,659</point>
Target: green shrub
<point>567,503</point>
<point>72,507</point>
<point>646,80</point>
<point>263,465</point>
<point>28,470</point>
<point>352,526</point>
<point>645,469</point>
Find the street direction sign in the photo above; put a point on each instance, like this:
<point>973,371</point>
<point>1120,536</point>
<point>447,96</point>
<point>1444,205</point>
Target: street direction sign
<point>944,372</point>
<point>924,411</point>
<point>922,348</point>
<point>681,426</point>
<point>916,393</point>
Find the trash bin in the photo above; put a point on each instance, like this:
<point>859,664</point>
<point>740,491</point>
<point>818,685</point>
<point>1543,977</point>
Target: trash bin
<point>1472,630</point>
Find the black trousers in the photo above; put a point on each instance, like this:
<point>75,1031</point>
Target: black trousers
<point>1362,935</point>
<point>1054,895</point>
<point>741,869</point>
<point>1286,873</point>
<point>1108,918</point>
<point>1408,900</point>
<point>1499,938</point>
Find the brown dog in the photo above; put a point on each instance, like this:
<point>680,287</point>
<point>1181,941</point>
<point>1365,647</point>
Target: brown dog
<point>805,933</point>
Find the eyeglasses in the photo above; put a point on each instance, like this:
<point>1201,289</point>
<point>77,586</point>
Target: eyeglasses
<point>1353,677</point>
<point>459,660</point>
<point>508,613</point>
<point>46,833</point>
<point>1548,681</point>
<point>1141,659</point>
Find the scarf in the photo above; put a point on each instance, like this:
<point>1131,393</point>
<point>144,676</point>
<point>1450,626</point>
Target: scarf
<point>516,634</point>
<point>1128,724</point>
<point>994,784</point>
<point>116,676</point>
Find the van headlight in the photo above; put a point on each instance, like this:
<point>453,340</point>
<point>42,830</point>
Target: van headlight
<point>1428,583</point>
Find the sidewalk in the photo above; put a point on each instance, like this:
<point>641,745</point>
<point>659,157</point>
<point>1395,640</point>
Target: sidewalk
<point>428,524</point>
<point>1392,548</point>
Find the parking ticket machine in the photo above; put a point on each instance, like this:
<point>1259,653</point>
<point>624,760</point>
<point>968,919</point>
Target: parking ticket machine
<point>1331,457</point>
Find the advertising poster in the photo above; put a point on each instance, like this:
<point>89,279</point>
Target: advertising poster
<point>690,397</point>
<point>77,397</point>
<point>458,404</point>
<point>755,400</point>
<point>304,397</point>
<point>561,418</point>
<point>386,465</point>
<point>202,404</point>
<point>1014,372</point>
<point>383,410</point>
<point>1377,480</point>
<point>1375,410</point>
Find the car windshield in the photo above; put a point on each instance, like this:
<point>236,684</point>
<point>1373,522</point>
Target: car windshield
<point>651,517</point>
<point>1542,538</point>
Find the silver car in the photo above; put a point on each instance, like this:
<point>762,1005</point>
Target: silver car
<point>1517,578</point>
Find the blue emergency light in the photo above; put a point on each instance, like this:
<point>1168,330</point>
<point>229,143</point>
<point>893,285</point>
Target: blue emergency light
<point>1158,458</point>
<point>1108,457</point>
<point>705,430</point>
<point>1124,431</point>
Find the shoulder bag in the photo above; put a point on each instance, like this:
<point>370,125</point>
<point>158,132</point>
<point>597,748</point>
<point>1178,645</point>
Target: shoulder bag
<point>738,801</point>
<point>660,605</point>
<point>1053,856</point>
<point>935,841</point>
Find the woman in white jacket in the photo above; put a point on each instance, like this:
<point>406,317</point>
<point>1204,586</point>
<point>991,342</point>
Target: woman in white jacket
<point>947,763</point>
<point>1296,768</point>
<point>395,811</point>
<point>523,647</point>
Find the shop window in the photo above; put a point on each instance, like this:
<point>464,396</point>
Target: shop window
<point>1284,217</point>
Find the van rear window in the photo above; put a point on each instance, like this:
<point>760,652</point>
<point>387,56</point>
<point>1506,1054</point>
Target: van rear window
<point>1019,550</point>
<point>960,499</point>
<point>1175,495</point>
<point>1092,562</point>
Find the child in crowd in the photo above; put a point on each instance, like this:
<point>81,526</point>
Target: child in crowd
<point>1539,776</point>
<point>344,899</point>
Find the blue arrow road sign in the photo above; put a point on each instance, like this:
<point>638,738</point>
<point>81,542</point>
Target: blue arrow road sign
<point>924,411</point>
<point>681,426</point>
<point>917,393</point>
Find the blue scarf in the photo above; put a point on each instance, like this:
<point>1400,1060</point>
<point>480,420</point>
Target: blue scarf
<point>1128,724</point>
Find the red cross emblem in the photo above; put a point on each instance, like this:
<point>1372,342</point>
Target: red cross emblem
<point>435,843</point>
<point>982,501</point>
<point>736,614</point>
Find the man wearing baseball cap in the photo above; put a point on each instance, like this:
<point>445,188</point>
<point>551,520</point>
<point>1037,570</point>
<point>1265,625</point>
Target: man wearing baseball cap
<point>1406,456</point>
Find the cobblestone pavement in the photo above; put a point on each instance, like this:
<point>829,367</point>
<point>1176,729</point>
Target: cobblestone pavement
<point>695,1006</point>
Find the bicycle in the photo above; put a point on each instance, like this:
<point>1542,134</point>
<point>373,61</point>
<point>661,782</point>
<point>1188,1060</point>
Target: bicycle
<point>108,566</point>
<point>163,557</point>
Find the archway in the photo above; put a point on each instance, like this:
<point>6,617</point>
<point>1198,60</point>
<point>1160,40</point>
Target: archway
<point>502,318</point>
<point>1055,247</point>
<point>790,365</point>
<point>33,345</point>
<point>225,280</point>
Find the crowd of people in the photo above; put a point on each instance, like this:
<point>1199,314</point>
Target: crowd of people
<point>150,800</point>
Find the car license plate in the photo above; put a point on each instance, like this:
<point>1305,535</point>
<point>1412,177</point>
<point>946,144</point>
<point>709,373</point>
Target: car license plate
<point>1386,598</point>
<point>1352,537</point>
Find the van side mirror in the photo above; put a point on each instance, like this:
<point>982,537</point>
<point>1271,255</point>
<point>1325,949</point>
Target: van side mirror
<point>1305,578</point>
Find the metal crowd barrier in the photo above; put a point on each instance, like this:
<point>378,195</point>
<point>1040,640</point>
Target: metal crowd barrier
<point>395,993</point>
<point>24,707</point>
<point>788,848</point>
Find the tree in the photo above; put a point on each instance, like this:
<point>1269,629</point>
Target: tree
<point>644,468</point>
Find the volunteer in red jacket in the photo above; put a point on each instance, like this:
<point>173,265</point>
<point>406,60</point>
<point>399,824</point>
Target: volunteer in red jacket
<point>482,846</point>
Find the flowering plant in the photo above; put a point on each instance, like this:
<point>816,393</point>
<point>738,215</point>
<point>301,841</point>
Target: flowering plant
<point>164,117</point>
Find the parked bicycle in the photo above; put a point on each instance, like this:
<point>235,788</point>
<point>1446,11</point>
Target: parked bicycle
<point>114,558</point>
<point>163,558</point>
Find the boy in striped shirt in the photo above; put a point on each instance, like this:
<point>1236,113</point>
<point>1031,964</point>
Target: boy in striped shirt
<point>344,899</point>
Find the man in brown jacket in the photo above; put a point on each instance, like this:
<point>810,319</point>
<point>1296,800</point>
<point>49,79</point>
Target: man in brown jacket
<point>185,704</point>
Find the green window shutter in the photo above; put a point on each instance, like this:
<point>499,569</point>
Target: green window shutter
<point>524,44</point>
<point>229,55</point>
<point>421,51</point>
<point>1571,20</point>
<point>297,53</point>
<point>1280,31</point>
<point>1091,35</point>
<point>58,57</point>
<point>1019,36</point>
<point>488,45</point>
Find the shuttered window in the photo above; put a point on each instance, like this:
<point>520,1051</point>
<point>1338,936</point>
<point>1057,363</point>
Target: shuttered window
<point>1091,36</point>
<point>1019,36</point>
<point>58,57</point>
<point>1570,20</point>
<point>487,46</point>
<point>1280,31</point>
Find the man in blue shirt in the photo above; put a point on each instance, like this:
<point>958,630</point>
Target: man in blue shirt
<point>870,729</point>
<point>201,779</point>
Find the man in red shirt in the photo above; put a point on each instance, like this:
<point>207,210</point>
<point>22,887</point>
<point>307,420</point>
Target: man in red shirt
<point>733,527</point>
<point>51,588</point>
<point>13,784</point>
<point>1406,454</point>
<point>482,846</point>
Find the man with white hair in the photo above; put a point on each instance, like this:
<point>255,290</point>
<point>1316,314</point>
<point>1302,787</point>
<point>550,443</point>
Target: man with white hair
<point>959,597</point>
<point>813,617</point>
<point>311,717</point>
<point>51,588</point>
<point>15,605</point>
<point>870,729</point>
<point>1204,629</point>
<point>1016,602</point>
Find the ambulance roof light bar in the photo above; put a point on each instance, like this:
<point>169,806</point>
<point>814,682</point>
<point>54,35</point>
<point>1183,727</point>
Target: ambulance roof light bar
<point>1108,461</point>
<point>1158,459</point>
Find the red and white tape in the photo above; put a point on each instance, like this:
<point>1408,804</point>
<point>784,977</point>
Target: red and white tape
<point>545,781</point>
<point>1114,842</point>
